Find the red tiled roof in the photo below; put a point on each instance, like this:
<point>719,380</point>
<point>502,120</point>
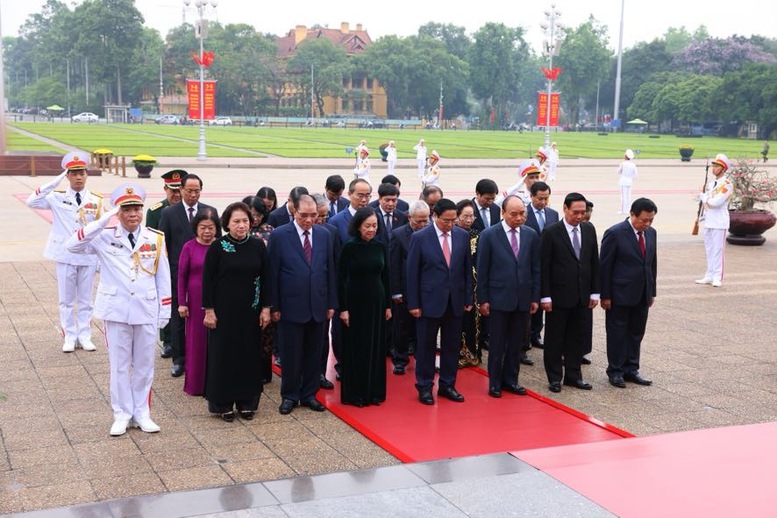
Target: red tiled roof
<point>354,42</point>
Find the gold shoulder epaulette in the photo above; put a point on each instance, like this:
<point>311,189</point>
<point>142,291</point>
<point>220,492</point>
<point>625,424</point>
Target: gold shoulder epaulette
<point>156,206</point>
<point>97,194</point>
<point>155,231</point>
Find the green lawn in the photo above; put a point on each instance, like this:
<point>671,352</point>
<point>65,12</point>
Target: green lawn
<point>19,142</point>
<point>162,141</point>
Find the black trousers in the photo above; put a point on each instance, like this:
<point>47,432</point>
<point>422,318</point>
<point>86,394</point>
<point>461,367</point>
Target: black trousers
<point>564,338</point>
<point>625,329</point>
<point>588,333</point>
<point>508,329</point>
<point>404,337</point>
<point>449,327</point>
<point>300,346</point>
<point>243,405</point>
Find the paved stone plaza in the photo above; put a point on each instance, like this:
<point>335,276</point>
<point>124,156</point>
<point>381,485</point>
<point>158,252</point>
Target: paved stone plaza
<point>709,351</point>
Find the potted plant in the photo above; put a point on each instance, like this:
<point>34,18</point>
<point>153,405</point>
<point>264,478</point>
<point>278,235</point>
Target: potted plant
<point>751,186</point>
<point>686,152</point>
<point>143,164</point>
<point>103,157</point>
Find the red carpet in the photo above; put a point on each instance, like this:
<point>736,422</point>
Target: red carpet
<point>717,472</point>
<point>414,432</point>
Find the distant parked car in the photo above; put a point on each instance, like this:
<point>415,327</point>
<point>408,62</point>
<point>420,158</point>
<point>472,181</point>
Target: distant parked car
<point>85,117</point>
<point>168,119</point>
<point>221,121</point>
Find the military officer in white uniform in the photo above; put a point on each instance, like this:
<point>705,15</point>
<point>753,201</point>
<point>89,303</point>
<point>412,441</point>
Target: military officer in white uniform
<point>716,220</point>
<point>71,210</point>
<point>432,173</point>
<point>133,299</point>
<point>529,171</point>
<point>362,170</point>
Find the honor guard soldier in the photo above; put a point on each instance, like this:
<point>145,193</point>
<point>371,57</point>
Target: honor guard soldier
<point>133,299</point>
<point>716,220</point>
<point>172,188</point>
<point>530,172</point>
<point>172,196</point>
<point>432,174</point>
<point>362,170</point>
<point>71,210</point>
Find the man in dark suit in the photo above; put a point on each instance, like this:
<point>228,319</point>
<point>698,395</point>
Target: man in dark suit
<point>439,290</point>
<point>303,294</point>
<point>404,323</point>
<point>570,284</point>
<point>431,194</point>
<point>628,272</point>
<point>176,224</point>
<point>333,190</point>
<point>538,216</point>
<point>508,267</point>
<point>285,213</point>
<point>402,205</point>
<point>389,217</point>
<point>486,213</point>
<point>359,192</point>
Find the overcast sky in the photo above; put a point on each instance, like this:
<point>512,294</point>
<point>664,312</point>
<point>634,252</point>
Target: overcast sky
<point>644,20</point>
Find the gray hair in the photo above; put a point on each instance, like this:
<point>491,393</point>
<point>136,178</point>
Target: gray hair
<point>320,200</point>
<point>417,206</point>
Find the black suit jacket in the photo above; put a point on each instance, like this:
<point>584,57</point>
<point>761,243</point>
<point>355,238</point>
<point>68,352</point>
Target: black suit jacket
<point>626,276</point>
<point>402,206</point>
<point>551,216</point>
<point>278,217</point>
<point>397,220</point>
<point>400,244</point>
<point>342,204</point>
<point>496,216</point>
<point>174,223</point>
<point>569,282</point>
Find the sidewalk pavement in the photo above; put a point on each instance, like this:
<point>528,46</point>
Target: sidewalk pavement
<point>709,351</point>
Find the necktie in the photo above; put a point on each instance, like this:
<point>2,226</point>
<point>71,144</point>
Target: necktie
<point>576,242</point>
<point>541,219</point>
<point>388,223</point>
<point>78,198</point>
<point>191,214</point>
<point>446,249</point>
<point>131,238</point>
<point>641,243</point>
<point>514,242</point>
<point>485,215</point>
<point>332,208</point>
<point>307,248</point>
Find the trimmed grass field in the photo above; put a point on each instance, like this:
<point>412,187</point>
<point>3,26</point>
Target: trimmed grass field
<point>162,141</point>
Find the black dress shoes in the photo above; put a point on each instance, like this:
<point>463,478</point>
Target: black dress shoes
<point>325,383</point>
<point>537,342</point>
<point>176,370</point>
<point>425,397</point>
<point>167,351</point>
<point>554,386</point>
<point>617,381</point>
<point>527,361</point>
<point>287,405</point>
<point>582,385</point>
<point>494,392</point>
<point>514,389</point>
<point>585,361</point>
<point>450,393</point>
<point>314,405</point>
<point>399,370</point>
<point>636,378</point>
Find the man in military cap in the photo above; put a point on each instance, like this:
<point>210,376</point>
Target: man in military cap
<point>172,196</point>
<point>71,210</point>
<point>172,188</point>
<point>715,200</point>
<point>529,171</point>
<point>133,299</point>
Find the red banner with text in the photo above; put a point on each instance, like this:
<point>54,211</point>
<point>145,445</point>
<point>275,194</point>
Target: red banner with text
<point>208,101</point>
<point>542,108</point>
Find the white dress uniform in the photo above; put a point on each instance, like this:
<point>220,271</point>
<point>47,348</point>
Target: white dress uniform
<point>391,157</point>
<point>432,176</point>
<point>552,162</point>
<point>75,273</point>
<point>716,221</point>
<point>133,298</point>
<point>362,170</point>
<point>520,189</point>
<point>626,174</point>
<point>420,157</point>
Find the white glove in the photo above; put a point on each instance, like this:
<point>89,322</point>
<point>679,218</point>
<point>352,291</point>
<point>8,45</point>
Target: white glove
<point>163,322</point>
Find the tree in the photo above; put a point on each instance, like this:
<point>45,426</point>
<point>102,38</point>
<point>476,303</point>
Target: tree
<point>749,95</point>
<point>453,36</point>
<point>321,62</point>
<point>717,56</point>
<point>584,60</point>
<point>392,61</point>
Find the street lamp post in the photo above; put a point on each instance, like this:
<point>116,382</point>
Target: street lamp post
<point>202,25</point>
<point>553,30</point>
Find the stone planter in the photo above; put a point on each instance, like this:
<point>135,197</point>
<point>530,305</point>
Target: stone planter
<point>746,228</point>
<point>686,154</point>
<point>144,170</point>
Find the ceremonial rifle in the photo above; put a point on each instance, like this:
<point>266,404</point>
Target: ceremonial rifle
<point>695,231</point>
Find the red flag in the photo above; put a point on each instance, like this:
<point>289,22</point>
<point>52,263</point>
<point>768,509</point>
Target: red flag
<point>206,60</point>
<point>551,73</point>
